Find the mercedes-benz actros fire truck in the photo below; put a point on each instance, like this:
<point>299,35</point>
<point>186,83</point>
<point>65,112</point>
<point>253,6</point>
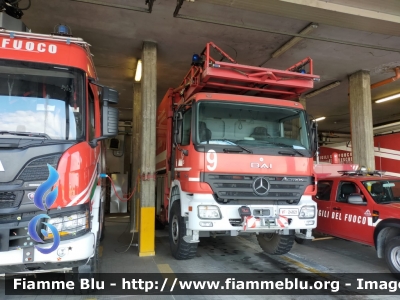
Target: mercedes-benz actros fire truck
<point>235,154</point>
<point>53,116</point>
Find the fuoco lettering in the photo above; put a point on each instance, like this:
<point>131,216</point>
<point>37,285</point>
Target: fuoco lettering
<point>355,219</point>
<point>28,46</point>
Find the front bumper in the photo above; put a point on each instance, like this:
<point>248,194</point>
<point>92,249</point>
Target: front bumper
<point>231,220</point>
<point>70,253</point>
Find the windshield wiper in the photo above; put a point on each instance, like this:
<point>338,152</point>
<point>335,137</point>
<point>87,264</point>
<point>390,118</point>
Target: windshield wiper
<point>237,150</point>
<point>241,147</point>
<point>287,146</point>
<point>290,152</point>
<point>232,144</point>
<point>46,142</point>
<point>23,133</point>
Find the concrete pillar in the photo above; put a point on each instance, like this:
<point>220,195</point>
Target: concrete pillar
<point>148,150</point>
<point>362,137</point>
<point>136,150</point>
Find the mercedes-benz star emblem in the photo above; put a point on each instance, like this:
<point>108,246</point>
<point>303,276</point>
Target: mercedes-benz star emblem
<point>261,186</point>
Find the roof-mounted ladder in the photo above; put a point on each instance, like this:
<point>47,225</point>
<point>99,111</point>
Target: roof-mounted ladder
<point>218,76</point>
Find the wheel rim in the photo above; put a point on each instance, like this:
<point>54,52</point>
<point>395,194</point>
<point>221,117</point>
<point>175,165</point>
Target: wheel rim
<point>268,236</point>
<point>175,229</point>
<point>395,257</point>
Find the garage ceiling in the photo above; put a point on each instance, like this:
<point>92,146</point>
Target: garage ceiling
<point>117,34</point>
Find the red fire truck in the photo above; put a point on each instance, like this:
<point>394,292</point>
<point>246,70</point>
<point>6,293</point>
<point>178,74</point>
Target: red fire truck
<point>235,155</point>
<point>53,114</point>
<point>362,206</point>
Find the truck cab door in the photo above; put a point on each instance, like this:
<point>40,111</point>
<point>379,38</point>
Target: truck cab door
<point>349,217</point>
<point>324,199</point>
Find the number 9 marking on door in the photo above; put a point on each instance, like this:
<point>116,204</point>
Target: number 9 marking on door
<point>211,160</point>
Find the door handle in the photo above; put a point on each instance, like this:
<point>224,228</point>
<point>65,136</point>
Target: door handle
<point>336,208</point>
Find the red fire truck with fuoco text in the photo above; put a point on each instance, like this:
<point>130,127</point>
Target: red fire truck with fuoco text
<point>235,155</point>
<point>53,116</point>
<point>360,205</point>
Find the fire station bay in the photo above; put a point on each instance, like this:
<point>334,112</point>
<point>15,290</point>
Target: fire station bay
<point>199,149</point>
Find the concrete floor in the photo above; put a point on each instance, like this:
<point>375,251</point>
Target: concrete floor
<point>228,255</point>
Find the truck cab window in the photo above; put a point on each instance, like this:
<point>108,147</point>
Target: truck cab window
<point>383,191</point>
<point>346,188</point>
<point>41,99</point>
<point>264,129</point>
<point>186,127</point>
<point>324,189</point>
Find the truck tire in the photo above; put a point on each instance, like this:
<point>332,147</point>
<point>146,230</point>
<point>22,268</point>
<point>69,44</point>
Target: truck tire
<point>177,230</point>
<point>275,244</point>
<point>392,255</point>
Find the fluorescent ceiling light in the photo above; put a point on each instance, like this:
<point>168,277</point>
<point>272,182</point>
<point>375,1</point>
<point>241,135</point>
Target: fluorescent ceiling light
<point>294,40</point>
<point>319,119</point>
<point>138,74</point>
<point>388,98</point>
<point>387,125</point>
<point>323,89</point>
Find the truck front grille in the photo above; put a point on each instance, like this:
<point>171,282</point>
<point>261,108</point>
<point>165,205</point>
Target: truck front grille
<point>238,188</point>
<point>37,169</point>
<point>10,199</point>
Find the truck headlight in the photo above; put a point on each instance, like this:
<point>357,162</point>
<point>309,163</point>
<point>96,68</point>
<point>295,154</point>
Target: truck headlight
<point>307,212</point>
<point>209,212</point>
<point>73,223</point>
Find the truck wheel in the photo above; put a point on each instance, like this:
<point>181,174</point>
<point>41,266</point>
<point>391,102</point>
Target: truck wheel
<point>392,254</point>
<point>275,244</point>
<point>177,230</point>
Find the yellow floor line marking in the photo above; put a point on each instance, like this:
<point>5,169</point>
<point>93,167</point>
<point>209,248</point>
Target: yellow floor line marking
<point>167,272</point>
<point>100,251</point>
<point>323,238</point>
<point>303,266</point>
<point>164,268</point>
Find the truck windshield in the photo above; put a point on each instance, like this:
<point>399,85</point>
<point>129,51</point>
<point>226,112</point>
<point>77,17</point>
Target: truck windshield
<point>383,191</point>
<point>41,100</point>
<point>260,128</point>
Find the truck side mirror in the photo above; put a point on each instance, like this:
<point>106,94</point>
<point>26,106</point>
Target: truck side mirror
<point>178,122</point>
<point>356,199</point>
<point>314,136</point>
<point>109,95</point>
<point>109,126</point>
<point>109,115</point>
<point>178,127</point>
